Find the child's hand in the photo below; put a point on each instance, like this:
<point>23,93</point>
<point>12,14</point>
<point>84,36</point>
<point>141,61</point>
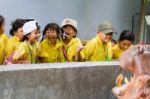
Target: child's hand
<point>79,48</point>
<point>77,56</point>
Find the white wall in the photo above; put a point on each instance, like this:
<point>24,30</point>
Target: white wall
<point>88,13</point>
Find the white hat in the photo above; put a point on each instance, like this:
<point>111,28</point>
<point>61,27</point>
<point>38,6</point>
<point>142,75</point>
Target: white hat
<point>69,21</point>
<point>29,27</point>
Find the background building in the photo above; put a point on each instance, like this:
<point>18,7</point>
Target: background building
<point>88,13</point>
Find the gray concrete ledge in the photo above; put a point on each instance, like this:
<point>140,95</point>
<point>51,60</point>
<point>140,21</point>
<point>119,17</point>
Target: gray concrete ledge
<point>78,80</point>
<point>16,67</point>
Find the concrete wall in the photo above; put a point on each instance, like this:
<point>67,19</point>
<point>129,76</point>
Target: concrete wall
<point>88,13</point>
<point>88,80</point>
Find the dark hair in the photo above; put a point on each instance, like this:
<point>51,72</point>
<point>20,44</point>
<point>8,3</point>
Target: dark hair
<point>18,23</point>
<point>71,26</point>
<point>25,37</point>
<point>126,35</point>
<point>38,26</point>
<point>2,19</point>
<point>52,26</point>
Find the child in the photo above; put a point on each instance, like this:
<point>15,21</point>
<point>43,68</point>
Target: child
<point>3,39</point>
<point>27,51</point>
<point>17,33</point>
<point>51,48</point>
<point>125,41</point>
<point>69,40</point>
<point>100,47</point>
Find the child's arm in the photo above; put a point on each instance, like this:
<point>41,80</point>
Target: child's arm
<point>18,55</point>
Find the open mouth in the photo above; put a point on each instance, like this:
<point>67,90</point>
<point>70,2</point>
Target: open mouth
<point>66,34</point>
<point>37,38</point>
<point>52,38</point>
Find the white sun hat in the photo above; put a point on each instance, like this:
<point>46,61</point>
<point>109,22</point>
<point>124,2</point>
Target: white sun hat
<point>29,26</point>
<point>69,21</point>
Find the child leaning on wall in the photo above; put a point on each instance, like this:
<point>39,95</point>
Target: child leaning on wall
<point>17,34</point>
<point>100,47</point>
<point>3,39</point>
<point>69,39</point>
<point>27,51</point>
<point>125,41</point>
<point>51,47</point>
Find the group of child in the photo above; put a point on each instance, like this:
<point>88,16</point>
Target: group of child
<point>58,44</point>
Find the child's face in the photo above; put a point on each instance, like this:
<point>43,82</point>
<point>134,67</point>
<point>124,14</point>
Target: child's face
<point>125,44</point>
<point>105,37</point>
<point>19,33</point>
<point>51,34</point>
<point>69,30</point>
<point>34,36</point>
<point>2,28</point>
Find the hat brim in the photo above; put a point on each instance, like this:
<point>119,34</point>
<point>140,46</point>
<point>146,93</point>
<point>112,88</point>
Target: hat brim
<point>70,25</point>
<point>107,31</point>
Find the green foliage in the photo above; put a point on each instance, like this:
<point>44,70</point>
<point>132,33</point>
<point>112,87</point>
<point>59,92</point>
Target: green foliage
<point>146,1</point>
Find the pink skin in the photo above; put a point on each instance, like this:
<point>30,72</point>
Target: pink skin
<point>69,30</point>
<point>2,28</point>
<point>135,60</point>
<point>105,37</point>
<point>138,88</point>
<point>51,35</point>
<point>33,36</point>
<point>19,33</point>
<point>125,44</point>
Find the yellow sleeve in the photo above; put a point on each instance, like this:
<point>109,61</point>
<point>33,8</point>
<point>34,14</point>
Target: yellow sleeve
<point>38,46</point>
<point>5,39</point>
<point>43,55</point>
<point>19,52</point>
<point>9,48</point>
<point>114,50</point>
<point>72,50</point>
<point>61,55</point>
<point>3,42</point>
<point>42,51</point>
<point>110,52</point>
<point>117,52</point>
<point>87,50</point>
